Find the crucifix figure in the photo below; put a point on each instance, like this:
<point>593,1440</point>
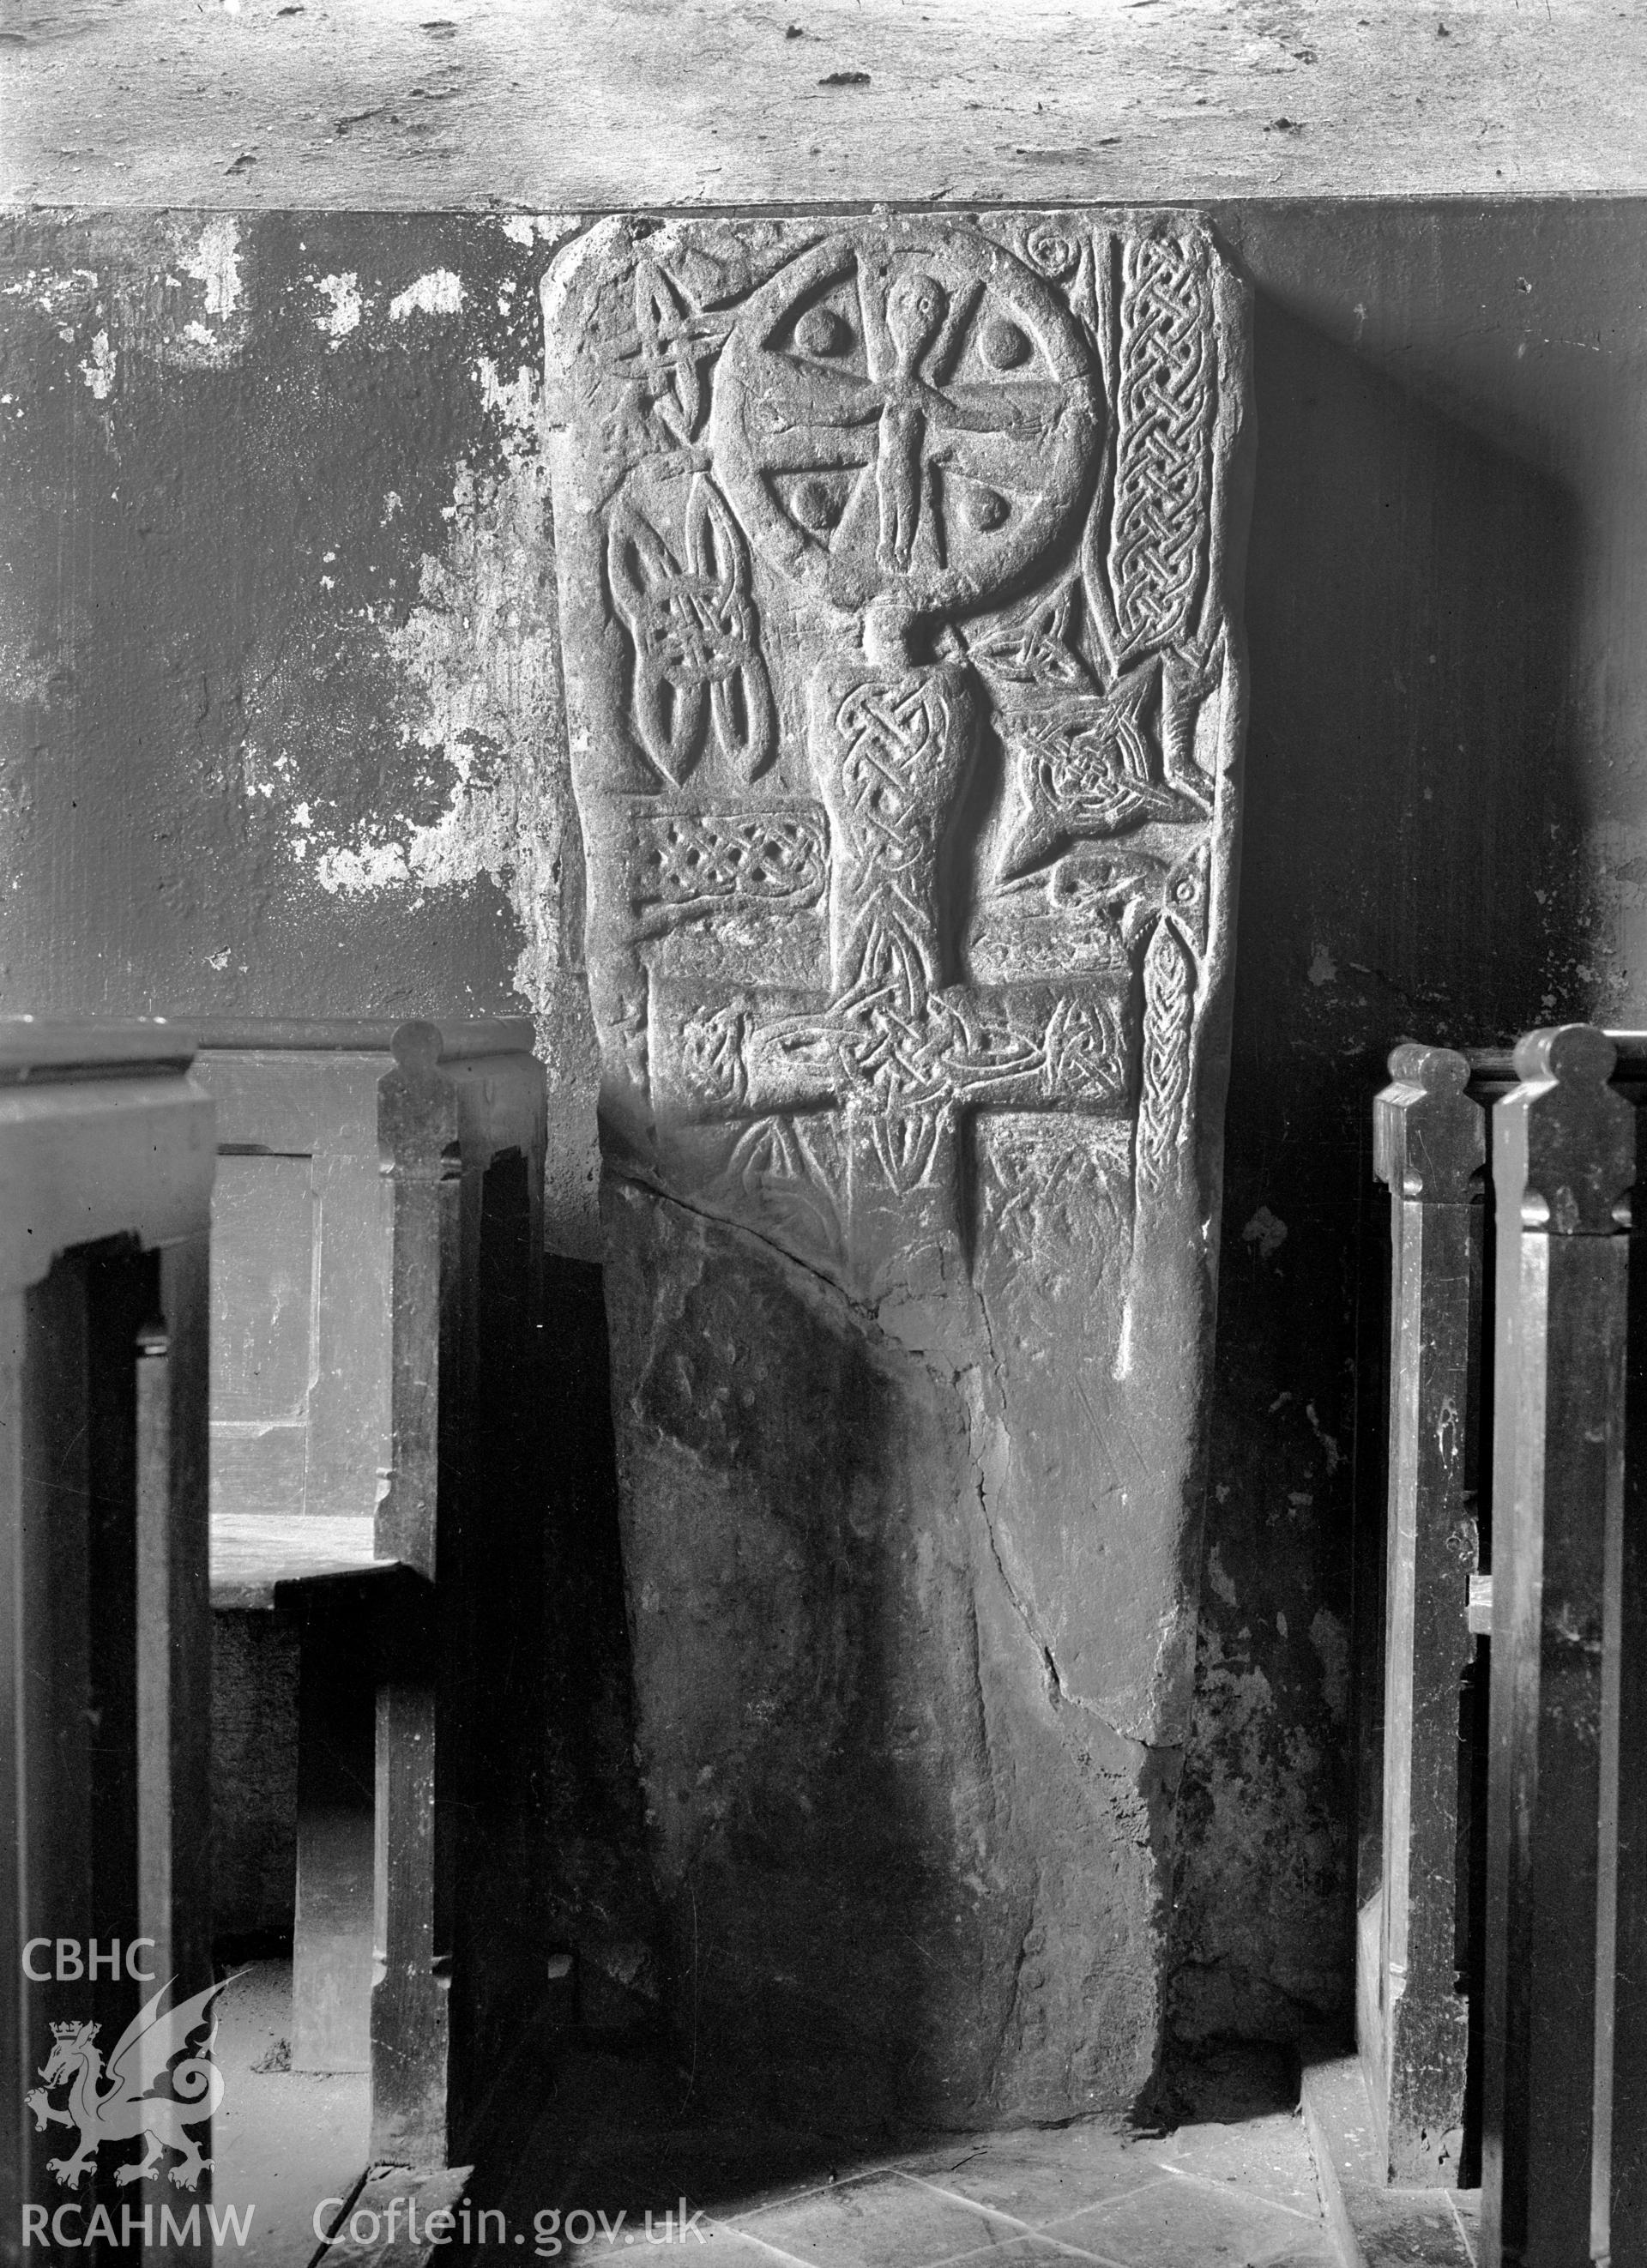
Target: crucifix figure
<point>905,432</point>
<point>875,384</point>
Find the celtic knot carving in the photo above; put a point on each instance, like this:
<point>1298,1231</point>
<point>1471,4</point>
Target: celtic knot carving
<point>712,1063</point>
<point>1169,1003</point>
<point>1086,767</point>
<point>661,360</point>
<point>1034,651</point>
<point>915,516</point>
<point>790,1168</point>
<point>687,859</point>
<point>693,630</point>
<point>1159,518</point>
<point>871,1049</point>
<point>893,755</point>
<point>910,1064</point>
<point>888,739</point>
<point>1081,1046</point>
<point>901,1062</point>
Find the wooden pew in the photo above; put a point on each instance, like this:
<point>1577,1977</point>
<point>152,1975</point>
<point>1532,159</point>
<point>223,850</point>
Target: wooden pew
<point>106,1173</point>
<point>1564,1155</point>
<point>1540,1327</point>
<point>1430,1149</point>
<point>376,1287</point>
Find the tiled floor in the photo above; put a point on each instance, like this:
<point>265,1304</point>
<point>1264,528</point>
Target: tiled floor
<point>281,2140</point>
<point>1207,2197</point>
<point>1232,2186</point>
<point>614,2171</point>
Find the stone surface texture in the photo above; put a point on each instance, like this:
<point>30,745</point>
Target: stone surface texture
<point>279,104</point>
<point>897,560</point>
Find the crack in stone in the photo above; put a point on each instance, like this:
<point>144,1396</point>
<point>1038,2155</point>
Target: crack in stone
<point>1058,1696</point>
<point>631,1179</point>
<point>1053,1685</point>
<point>1013,2016</point>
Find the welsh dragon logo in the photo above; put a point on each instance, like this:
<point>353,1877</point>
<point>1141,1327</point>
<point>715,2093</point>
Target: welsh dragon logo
<point>118,2104</point>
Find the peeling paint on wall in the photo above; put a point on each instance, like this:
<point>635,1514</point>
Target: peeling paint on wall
<point>1331,1640</point>
<point>476,664</point>
<point>440,292</point>
<point>1222,1586</point>
<point>342,314</point>
<point>329,693</point>
<point>1617,859</point>
<point>99,369</point>
<point>526,229</point>
<point>216,262</point>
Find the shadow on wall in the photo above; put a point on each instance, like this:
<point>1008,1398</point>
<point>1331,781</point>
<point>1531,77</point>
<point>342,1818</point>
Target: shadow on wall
<point>1413,838</point>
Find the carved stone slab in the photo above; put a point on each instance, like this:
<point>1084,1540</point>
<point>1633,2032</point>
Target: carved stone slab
<point>896,559</point>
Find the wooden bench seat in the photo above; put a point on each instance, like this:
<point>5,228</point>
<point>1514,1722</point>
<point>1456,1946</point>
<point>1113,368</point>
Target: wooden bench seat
<point>376,1285</point>
<point>105,1172</point>
<point>253,1553</point>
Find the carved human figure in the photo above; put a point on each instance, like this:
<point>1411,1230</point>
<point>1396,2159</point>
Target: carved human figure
<point>910,425</point>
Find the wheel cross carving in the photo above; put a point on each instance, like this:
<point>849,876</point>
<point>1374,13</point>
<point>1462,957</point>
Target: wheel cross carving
<point>849,902</point>
<point>913,424</point>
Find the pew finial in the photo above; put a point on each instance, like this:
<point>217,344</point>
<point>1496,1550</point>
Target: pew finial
<point>416,1047</point>
<point>1438,1071</point>
<point>1578,1055</point>
<point>1564,1140</point>
<point>1429,1138</point>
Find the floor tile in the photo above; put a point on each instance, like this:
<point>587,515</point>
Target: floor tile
<point>1466,2204</point>
<point>1041,2185</point>
<point>1178,2223</point>
<point>1417,2229</point>
<point>1232,2187</point>
<point>284,2143</point>
<point>882,2221</point>
<point>738,2192</point>
<point>1029,2252</point>
<point>720,2249</point>
<point>1270,2157</point>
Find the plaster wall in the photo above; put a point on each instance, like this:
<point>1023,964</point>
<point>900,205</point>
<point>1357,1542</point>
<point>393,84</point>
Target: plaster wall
<point>279,733</point>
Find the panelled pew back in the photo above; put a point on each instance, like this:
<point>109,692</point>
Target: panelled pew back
<point>106,1174</point>
<point>1519,1316</point>
<point>376,1280</point>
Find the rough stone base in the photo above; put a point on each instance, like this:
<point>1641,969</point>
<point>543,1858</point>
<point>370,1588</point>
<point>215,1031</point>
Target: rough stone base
<point>904,1878</point>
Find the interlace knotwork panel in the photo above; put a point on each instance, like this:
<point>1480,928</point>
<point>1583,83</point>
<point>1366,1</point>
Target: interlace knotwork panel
<point>904,701</point>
